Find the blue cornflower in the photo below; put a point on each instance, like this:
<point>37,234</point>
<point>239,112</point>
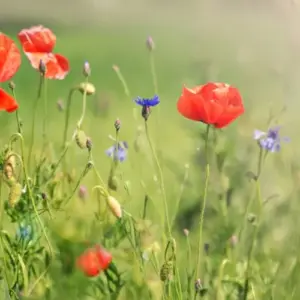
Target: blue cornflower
<point>147,101</point>
<point>24,232</point>
<point>118,152</point>
<point>270,141</point>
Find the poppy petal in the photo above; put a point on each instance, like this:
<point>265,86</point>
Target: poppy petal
<point>57,66</point>
<point>7,102</point>
<point>230,115</point>
<point>37,39</point>
<point>104,257</point>
<point>10,58</point>
<point>190,106</point>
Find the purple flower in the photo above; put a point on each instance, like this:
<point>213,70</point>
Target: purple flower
<point>118,152</point>
<point>147,101</point>
<point>270,141</point>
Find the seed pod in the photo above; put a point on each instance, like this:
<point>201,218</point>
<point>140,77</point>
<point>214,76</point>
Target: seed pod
<point>166,271</point>
<point>14,194</point>
<point>114,206</point>
<point>81,139</point>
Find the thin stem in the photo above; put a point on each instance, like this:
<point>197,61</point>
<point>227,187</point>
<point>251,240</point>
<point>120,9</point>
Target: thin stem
<point>251,249</point>
<point>45,113</point>
<point>17,114</point>
<point>1,237</point>
<point>126,89</point>
<point>79,124</point>
<point>186,175</point>
<point>31,195</point>
<point>67,117</point>
<point>161,180</point>
<point>200,242</point>
<point>35,106</point>
<point>153,72</point>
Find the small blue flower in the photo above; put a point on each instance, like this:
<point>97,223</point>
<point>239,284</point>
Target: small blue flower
<point>24,232</point>
<point>271,140</point>
<point>118,153</point>
<point>147,101</point>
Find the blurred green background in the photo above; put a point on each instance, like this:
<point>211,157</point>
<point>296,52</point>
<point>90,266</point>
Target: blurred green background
<point>250,45</point>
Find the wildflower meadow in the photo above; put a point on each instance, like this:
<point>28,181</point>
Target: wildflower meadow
<point>143,189</point>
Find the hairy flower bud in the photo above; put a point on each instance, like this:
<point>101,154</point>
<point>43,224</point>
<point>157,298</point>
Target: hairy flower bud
<point>114,206</point>
<point>88,88</point>
<point>14,194</point>
<point>81,139</point>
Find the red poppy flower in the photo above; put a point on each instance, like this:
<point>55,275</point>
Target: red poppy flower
<point>10,61</point>
<point>38,43</point>
<point>217,104</point>
<point>94,260</point>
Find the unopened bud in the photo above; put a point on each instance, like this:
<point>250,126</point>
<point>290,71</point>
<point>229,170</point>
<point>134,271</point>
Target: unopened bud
<point>186,232</point>
<point>117,124</point>
<point>89,144</point>
<point>11,85</point>
<point>166,271</point>
<point>14,194</point>
<point>82,193</point>
<point>42,67</point>
<point>60,105</point>
<point>116,68</point>
<point>233,240</point>
<point>88,88</point>
<point>86,69</point>
<point>150,43</point>
<point>114,206</point>
<point>113,183</point>
<point>81,139</point>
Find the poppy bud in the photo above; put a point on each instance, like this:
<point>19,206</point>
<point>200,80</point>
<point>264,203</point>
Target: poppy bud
<point>88,88</point>
<point>60,105</point>
<point>86,69</point>
<point>186,232</point>
<point>89,144</point>
<point>116,68</point>
<point>82,193</point>
<point>150,43</point>
<point>117,125</point>
<point>11,160</point>
<point>11,85</point>
<point>81,139</point>
<point>42,67</point>
<point>166,271</point>
<point>114,206</point>
<point>14,194</point>
<point>8,171</point>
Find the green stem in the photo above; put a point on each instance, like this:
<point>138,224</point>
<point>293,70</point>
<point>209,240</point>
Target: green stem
<point>126,89</point>
<point>251,249</point>
<point>79,124</point>
<point>1,237</point>
<point>45,114</point>
<point>31,194</point>
<point>35,106</point>
<point>153,72</point>
<point>177,204</point>
<point>67,117</point>
<point>200,241</point>
<point>161,180</point>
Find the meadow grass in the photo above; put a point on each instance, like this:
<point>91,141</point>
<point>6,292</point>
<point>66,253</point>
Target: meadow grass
<point>179,145</point>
